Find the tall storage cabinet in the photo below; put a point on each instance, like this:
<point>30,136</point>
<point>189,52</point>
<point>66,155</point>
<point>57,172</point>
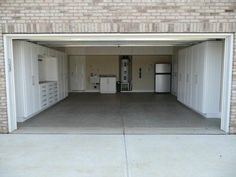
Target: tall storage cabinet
<point>26,77</point>
<point>212,73</point>
<point>181,75</point>
<point>62,75</point>
<point>65,75</point>
<point>199,84</point>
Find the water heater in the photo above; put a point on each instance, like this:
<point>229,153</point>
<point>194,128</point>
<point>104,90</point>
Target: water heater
<point>124,70</point>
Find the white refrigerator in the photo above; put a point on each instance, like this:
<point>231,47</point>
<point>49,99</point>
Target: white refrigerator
<point>162,78</point>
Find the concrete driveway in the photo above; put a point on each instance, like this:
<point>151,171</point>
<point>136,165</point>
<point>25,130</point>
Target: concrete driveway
<point>49,155</point>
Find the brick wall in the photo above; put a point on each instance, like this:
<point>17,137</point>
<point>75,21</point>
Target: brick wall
<point>80,16</point>
<point>3,107</point>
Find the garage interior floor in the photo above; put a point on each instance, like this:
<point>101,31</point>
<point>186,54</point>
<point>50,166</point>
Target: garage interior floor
<point>122,113</point>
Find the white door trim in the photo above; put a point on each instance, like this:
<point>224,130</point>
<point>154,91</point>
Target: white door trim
<point>227,83</point>
<point>227,76</point>
<point>10,84</point>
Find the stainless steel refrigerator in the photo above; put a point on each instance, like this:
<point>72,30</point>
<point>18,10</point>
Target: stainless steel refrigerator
<point>162,78</point>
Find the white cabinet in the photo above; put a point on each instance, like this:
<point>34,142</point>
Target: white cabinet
<point>40,78</point>
<point>26,79</point>
<point>77,73</point>
<point>174,75</point>
<point>62,75</point>
<point>107,84</point>
<point>199,84</point>
<point>181,75</point>
<point>48,94</point>
<point>212,80</point>
<point>65,75</point>
<point>43,96</point>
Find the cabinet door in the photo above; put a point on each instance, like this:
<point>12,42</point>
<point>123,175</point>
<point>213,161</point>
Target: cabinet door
<point>59,75</point>
<point>188,76</point>
<point>77,73</point>
<point>28,79</point>
<point>65,74</point>
<point>194,80</point>
<point>35,77</point>
<point>112,85</point>
<point>180,75</point>
<point>200,70</point>
<point>174,77</point>
<point>212,77</point>
<point>103,85</point>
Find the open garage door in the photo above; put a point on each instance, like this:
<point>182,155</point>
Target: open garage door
<point>119,83</point>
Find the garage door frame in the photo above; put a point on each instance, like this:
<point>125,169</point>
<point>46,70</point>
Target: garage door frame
<point>227,71</point>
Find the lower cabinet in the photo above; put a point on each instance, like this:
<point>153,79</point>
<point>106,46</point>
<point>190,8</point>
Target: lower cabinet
<point>108,85</point>
<point>48,94</point>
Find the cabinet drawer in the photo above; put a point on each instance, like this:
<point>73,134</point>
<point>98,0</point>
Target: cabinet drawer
<point>51,102</point>
<point>44,100</point>
<point>52,84</point>
<point>43,86</point>
<point>44,105</point>
<point>42,97</point>
<point>43,90</point>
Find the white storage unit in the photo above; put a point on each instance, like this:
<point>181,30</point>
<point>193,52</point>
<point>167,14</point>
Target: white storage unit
<point>52,93</point>
<point>38,73</point>
<point>199,72</point>
<point>181,75</point>
<point>43,95</point>
<point>26,82</point>
<point>174,75</point>
<point>107,84</point>
<point>77,73</point>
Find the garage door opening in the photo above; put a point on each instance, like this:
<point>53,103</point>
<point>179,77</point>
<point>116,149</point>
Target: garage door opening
<point>119,83</point>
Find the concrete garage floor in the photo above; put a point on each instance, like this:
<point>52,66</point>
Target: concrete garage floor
<point>117,155</point>
<point>127,113</point>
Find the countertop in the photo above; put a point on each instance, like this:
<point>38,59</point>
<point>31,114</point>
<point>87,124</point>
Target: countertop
<point>108,75</point>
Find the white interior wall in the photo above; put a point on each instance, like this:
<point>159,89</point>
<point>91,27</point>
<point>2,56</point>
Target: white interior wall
<point>101,65</point>
<point>146,63</point>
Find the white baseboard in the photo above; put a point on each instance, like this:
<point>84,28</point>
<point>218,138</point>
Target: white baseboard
<point>212,115</point>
